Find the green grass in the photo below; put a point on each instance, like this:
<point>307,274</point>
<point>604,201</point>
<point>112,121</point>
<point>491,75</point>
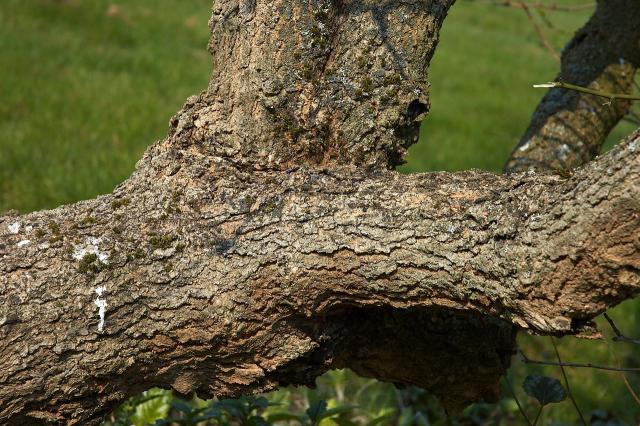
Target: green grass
<point>481,86</point>
<point>85,86</point>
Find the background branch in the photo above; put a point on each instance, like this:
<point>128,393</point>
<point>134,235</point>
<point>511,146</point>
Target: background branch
<point>539,32</point>
<point>610,96</point>
<point>569,127</point>
<point>553,7</point>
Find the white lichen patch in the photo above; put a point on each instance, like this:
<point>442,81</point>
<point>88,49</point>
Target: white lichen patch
<point>91,246</point>
<point>101,303</point>
<point>563,151</point>
<point>524,147</point>
<point>24,243</point>
<point>14,228</point>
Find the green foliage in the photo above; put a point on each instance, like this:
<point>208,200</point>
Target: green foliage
<point>154,408</point>
<point>160,408</point>
<point>142,410</point>
<point>318,411</point>
<point>341,399</point>
<point>545,390</point>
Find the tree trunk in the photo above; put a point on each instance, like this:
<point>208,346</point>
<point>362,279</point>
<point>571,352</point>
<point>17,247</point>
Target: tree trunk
<point>264,241</point>
<point>318,83</point>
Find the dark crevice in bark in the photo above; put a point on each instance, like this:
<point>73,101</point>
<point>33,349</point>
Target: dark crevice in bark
<point>475,350</point>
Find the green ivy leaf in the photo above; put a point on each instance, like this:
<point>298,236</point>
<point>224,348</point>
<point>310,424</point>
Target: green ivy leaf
<point>233,407</point>
<point>279,417</point>
<point>260,403</point>
<point>256,421</point>
<point>546,390</point>
<point>316,410</point>
<point>383,419</point>
<point>336,410</point>
<point>181,406</point>
<point>154,405</point>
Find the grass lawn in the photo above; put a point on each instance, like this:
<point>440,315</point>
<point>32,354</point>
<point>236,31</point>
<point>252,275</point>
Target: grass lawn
<point>481,86</point>
<point>87,85</point>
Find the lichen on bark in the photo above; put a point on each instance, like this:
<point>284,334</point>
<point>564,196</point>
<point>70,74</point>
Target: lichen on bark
<point>329,82</point>
<point>251,249</point>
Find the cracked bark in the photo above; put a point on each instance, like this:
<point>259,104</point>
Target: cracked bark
<point>568,128</point>
<point>242,255</point>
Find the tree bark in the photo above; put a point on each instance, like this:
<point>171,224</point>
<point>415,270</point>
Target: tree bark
<point>568,128</point>
<point>241,256</point>
<point>320,83</point>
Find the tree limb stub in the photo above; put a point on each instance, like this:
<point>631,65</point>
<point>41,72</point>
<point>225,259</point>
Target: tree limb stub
<point>322,83</point>
<point>235,262</point>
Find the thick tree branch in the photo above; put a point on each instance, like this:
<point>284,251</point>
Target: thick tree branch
<point>228,281</point>
<point>353,90</point>
<point>243,255</point>
<point>568,128</point>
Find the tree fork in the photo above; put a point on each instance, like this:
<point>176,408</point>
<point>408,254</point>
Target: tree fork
<point>242,255</point>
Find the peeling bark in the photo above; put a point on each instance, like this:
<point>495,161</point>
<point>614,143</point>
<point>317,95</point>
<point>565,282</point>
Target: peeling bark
<point>568,128</point>
<point>240,258</point>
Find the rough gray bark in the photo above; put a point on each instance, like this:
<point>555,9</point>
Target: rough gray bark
<point>235,260</point>
<point>353,90</point>
<point>568,128</point>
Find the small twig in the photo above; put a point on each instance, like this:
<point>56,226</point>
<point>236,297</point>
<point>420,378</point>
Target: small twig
<point>630,389</point>
<point>541,6</point>
<point>633,393</point>
<point>566,382</point>
<point>610,96</point>
<point>545,19</point>
<point>535,422</point>
<point>619,337</point>
<point>538,31</point>
<point>613,325</point>
<point>526,418</point>
<point>631,119</point>
<point>577,365</point>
